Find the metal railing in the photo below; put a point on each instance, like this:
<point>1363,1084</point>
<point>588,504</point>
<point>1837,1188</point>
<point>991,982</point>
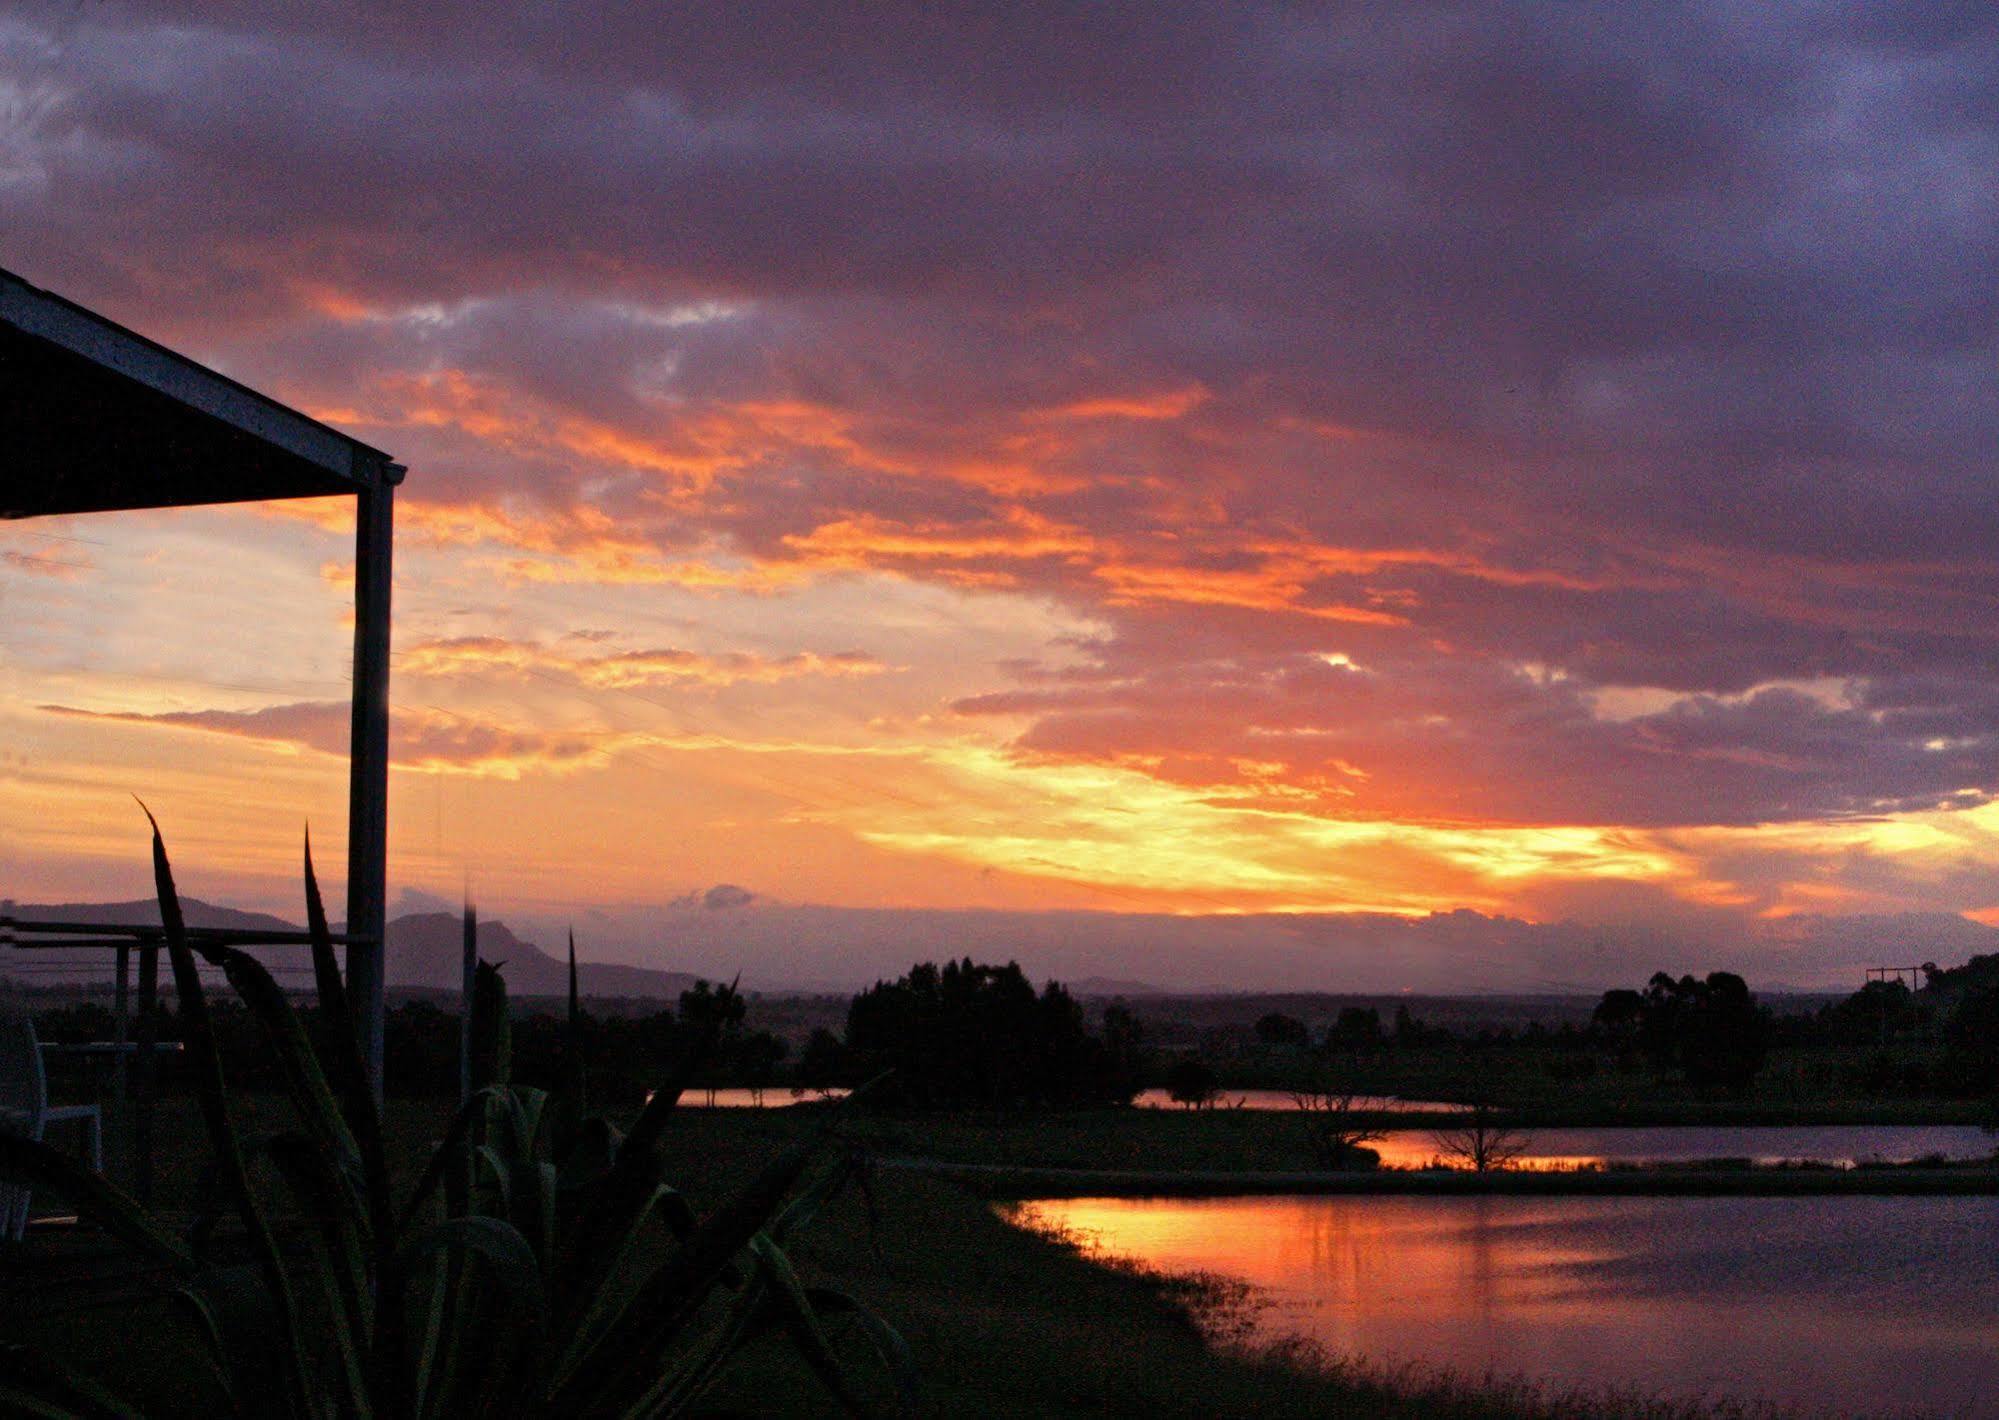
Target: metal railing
<point>134,1081</point>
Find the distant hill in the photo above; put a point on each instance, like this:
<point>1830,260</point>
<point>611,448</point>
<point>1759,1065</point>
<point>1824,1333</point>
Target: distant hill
<point>423,951</point>
<point>1112,986</point>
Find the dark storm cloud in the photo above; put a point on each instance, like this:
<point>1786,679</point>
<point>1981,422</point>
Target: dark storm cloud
<point>1607,347</point>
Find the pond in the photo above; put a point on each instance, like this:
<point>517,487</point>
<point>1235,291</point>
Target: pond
<point>1857,1305</point>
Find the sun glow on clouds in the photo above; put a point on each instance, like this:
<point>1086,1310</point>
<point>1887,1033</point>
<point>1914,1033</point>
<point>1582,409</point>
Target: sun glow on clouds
<point>1290,563</point>
<point>1205,850</point>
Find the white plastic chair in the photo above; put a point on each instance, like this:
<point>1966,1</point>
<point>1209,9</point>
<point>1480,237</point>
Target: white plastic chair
<point>25,1110</point>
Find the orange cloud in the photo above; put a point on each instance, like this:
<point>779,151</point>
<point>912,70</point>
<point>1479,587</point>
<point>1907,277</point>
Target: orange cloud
<point>1164,404</point>
<point>478,655</point>
<point>866,542</point>
<point>1268,588</point>
<point>420,737</point>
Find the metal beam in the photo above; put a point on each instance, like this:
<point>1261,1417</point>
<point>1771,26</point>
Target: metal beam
<point>112,347</point>
<point>11,928</point>
<point>368,769</point>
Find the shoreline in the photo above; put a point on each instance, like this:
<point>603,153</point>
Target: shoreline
<point>1014,1181</point>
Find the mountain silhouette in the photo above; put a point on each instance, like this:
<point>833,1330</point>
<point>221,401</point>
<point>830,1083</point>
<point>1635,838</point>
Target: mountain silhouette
<point>423,950</point>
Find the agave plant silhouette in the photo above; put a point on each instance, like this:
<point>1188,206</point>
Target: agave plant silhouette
<point>540,1266</point>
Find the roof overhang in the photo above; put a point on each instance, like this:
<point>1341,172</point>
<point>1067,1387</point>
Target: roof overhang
<point>96,418</point>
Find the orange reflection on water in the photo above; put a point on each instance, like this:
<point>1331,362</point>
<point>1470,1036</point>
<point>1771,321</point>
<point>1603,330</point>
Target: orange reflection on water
<point>1380,1262</point>
<point>1860,1304</point>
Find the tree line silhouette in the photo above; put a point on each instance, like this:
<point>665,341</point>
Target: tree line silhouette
<point>966,1034</point>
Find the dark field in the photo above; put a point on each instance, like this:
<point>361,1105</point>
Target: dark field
<point>1002,1322</point>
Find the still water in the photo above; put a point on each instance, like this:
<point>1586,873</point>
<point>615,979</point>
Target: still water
<point>1860,1306</point>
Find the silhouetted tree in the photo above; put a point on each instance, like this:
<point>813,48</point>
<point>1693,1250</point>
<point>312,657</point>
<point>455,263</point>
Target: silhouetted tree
<point>1871,1016</point>
<point>1725,1035</point>
<point>1479,1139</point>
<point>973,1034</point>
<point>1191,1083</point>
<point>823,1064</point>
<point>718,1009</point>
<point>755,1061</point>
<point>1124,1046</point>
<point>1619,1013</point>
<point>1970,1064</point>
<point>1659,1020</point>
<point>1711,1030</point>
<point>708,1004</point>
<point>1356,1028</point>
<point>1330,1107</point>
<point>1276,1028</point>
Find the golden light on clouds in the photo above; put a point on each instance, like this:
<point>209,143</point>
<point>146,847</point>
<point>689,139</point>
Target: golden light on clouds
<point>621,670</point>
<point>1219,849</point>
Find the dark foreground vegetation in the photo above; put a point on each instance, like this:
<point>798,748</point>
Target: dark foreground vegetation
<point>536,1262</point>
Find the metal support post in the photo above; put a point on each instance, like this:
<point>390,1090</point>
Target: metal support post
<point>368,768</point>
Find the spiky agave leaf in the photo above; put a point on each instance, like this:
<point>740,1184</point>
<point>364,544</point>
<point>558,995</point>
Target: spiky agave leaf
<point>887,1343</point>
<point>298,1065</point>
<point>205,1070</point>
<point>573,1084</point>
<point>449,1155</point>
<point>349,1073</point>
<point>510,1263</point>
<point>795,1311</point>
<point>772,1298</point>
<point>345,1068</point>
<point>631,1347</point>
<point>621,1277</point>
<point>676,1387</point>
<point>609,1205</point>
<point>340,1258</point>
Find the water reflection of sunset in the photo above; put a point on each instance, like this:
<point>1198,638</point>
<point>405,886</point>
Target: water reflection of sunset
<point>1866,1303</point>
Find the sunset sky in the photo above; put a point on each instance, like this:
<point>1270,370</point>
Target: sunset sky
<point>1125,459</point>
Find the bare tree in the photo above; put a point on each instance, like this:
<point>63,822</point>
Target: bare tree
<point>1478,1140</point>
<point>1331,1108</point>
<point>1333,1126</point>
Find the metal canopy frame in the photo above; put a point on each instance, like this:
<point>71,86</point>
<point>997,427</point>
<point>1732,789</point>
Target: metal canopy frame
<point>97,418</point>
